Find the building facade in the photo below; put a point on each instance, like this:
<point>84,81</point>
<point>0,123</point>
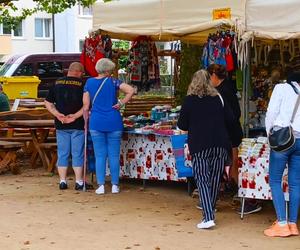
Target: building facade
<point>44,32</point>
<point>71,28</point>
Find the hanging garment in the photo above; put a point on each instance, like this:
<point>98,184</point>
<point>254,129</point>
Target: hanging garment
<point>95,48</point>
<point>219,49</point>
<point>143,64</point>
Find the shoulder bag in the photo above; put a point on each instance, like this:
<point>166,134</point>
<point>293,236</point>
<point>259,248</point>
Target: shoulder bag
<point>283,139</point>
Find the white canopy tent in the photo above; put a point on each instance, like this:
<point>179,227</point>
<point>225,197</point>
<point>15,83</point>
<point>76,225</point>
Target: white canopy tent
<point>188,20</point>
<point>191,20</point>
<point>273,19</point>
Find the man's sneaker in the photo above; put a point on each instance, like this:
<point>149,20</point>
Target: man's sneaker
<point>199,206</point>
<point>250,208</point>
<point>294,229</point>
<point>100,190</point>
<point>115,189</point>
<point>277,230</point>
<point>63,186</point>
<point>206,224</point>
<point>80,187</point>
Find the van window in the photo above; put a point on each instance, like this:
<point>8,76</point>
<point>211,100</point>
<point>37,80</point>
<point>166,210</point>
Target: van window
<point>4,68</point>
<point>50,69</point>
<point>24,70</point>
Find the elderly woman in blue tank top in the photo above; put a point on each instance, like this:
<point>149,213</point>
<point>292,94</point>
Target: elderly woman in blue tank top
<point>105,123</point>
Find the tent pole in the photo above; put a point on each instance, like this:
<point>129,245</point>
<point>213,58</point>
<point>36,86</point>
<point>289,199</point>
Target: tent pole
<point>245,91</point>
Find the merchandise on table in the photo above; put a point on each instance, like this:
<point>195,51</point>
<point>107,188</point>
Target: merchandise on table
<point>254,170</point>
<point>153,149</point>
<point>163,121</point>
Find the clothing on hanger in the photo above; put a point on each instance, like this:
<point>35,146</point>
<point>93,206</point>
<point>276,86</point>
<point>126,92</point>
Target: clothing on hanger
<point>143,64</point>
<point>219,49</point>
<point>95,47</point>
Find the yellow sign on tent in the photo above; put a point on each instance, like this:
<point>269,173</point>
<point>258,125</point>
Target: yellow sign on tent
<point>224,13</point>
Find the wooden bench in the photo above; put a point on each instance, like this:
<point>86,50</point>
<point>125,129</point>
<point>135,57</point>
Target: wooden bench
<point>34,123</point>
<point>8,156</point>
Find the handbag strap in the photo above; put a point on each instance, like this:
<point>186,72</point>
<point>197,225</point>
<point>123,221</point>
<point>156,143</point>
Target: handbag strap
<point>98,91</point>
<point>297,102</point>
<point>221,99</point>
<point>295,109</point>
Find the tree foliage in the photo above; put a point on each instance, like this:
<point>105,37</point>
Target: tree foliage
<point>11,15</point>
<point>190,63</point>
<point>122,45</point>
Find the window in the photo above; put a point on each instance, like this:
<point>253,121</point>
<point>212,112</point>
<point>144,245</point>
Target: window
<point>18,30</point>
<point>5,29</point>
<point>81,43</point>
<point>50,69</point>
<point>43,27</point>
<point>85,11</point>
<point>24,70</point>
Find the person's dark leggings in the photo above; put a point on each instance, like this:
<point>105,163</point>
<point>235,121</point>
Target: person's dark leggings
<point>208,167</point>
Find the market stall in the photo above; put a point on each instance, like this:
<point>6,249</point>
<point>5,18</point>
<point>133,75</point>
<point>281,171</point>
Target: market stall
<point>252,21</point>
<point>157,150</point>
<point>268,51</point>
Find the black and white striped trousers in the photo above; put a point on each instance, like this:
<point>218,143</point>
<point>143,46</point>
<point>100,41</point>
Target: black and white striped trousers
<point>208,167</point>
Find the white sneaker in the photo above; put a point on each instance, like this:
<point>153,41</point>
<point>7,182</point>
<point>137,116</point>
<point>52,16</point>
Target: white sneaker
<point>206,224</point>
<point>100,190</point>
<point>115,189</point>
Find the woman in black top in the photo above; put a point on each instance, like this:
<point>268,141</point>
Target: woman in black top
<point>218,76</point>
<point>206,119</point>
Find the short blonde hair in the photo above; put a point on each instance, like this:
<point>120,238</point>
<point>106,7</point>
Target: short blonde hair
<point>105,65</point>
<point>201,85</point>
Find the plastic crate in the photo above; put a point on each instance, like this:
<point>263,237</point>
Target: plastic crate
<point>16,87</point>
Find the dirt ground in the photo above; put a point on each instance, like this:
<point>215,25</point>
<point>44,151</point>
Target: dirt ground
<point>35,214</point>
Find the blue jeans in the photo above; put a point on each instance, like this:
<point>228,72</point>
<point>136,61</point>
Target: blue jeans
<point>278,161</point>
<point>70,142</point>
<point>107,145</point>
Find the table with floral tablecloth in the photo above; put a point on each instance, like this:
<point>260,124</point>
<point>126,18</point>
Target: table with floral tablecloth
<point>152,157</point>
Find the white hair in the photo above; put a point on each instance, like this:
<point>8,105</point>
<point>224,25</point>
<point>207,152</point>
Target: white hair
<point>105,65</point>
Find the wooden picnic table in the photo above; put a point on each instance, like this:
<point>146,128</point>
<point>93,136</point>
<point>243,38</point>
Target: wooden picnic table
<point>30,124</point>
<point>39,130</point>
<point>31,104</point>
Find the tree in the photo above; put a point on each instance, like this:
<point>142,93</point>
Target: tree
<point>9,16</point>
<point>122,45</point>
<point>190,63</point>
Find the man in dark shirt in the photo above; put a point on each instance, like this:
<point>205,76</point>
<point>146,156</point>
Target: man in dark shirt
<point>218,75</point>
<point>64,101</point>
<point>4,101</point>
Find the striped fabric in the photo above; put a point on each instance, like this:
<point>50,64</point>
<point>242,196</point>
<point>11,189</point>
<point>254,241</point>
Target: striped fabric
<point>208,167</point>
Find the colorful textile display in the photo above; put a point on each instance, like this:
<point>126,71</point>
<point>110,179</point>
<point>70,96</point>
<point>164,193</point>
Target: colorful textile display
<point>143,64</point>
<point>254,170</point>
<point>219,49</point>
<point>95,47</point>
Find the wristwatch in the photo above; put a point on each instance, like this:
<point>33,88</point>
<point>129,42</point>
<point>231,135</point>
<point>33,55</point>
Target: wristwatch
<point>120,103</point>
